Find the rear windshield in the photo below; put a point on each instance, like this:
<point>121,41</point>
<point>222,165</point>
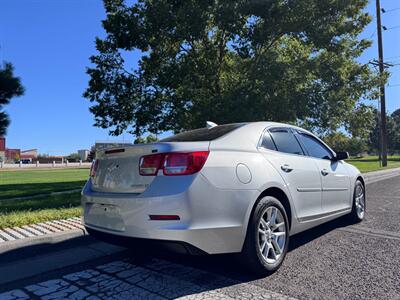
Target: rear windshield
<point>203,134</point>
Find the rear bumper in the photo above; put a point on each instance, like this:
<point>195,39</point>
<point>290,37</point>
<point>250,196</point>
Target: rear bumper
<point>145,244</point>
<point>211,220</point>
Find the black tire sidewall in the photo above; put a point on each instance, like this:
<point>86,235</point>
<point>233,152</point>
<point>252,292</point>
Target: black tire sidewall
<point>252,252</point>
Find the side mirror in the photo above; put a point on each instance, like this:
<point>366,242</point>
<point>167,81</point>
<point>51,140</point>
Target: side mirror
<point>341,155</point>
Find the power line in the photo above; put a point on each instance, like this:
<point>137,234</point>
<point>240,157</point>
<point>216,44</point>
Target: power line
<point>378,63</point>
<point>372,35</point>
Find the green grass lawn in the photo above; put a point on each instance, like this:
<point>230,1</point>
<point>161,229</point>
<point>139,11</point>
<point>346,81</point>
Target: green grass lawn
<point>371,163</point>
<point>22,212</point>
<point>19,183</point>
<point>33,182</point>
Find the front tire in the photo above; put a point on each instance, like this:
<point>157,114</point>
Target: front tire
<point>358,210</point>
<point>267,237</point>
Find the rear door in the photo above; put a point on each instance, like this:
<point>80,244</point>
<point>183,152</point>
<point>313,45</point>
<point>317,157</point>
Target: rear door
<point>281,148</point>
<point>334,176</point>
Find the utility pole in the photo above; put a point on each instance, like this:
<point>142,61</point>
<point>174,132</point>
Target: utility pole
<point>382,88</point>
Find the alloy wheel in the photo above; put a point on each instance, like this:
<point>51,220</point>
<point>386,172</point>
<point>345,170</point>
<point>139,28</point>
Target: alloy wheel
<point>360,201</point>
<point>271,234</point>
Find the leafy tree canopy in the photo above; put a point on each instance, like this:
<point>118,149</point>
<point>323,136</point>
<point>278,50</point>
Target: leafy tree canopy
<point>341,142</point>
<point>230,61</point>
<point>10,87</point>
<point>393,132</point>
<point>149,139</point>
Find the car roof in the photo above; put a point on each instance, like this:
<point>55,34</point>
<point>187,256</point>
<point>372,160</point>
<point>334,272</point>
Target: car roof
<point>250,133</point>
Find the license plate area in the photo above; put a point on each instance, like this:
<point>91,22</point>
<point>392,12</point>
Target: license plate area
<point>105,216</point>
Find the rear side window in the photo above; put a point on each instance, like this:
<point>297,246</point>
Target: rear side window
<point>285,141</point>
<point>267,142</point>
<point>203,134</point>
<point>314,147</point>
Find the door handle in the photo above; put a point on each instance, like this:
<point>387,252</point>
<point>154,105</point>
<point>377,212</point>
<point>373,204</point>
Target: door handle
<point>324,172</point>
<point>286,168</point>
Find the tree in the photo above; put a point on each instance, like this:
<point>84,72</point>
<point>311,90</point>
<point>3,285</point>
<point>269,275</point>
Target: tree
<point>393,132</point>
<point>356,146</point>
<point>229,61</point>
<point>148,139</point>
<point>10,87</point>
<point>338,141</point>
<point>361,121</point>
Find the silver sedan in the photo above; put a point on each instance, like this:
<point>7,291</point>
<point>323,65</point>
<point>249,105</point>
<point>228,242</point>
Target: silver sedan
<point>236,188</point>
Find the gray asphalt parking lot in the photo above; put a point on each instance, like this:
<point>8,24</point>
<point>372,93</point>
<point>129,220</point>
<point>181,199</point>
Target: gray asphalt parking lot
<point>333,261</point>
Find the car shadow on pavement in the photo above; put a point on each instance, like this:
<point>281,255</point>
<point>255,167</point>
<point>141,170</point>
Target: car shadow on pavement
<point>309,235</point>
<point>158,272</point>
<point>162,270</point>
<point>229,264</point>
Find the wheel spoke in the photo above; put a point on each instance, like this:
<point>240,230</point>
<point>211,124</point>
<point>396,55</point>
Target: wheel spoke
<point>276,226</point>
<point>273,252</point>
<point>266,249</point>
<point>276,247</point>
<point>279,233</point>
<point>359,191</point>
<point>263,246</point>
<point>264,223</point>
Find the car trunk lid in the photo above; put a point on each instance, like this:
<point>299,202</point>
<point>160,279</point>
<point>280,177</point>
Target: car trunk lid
<point>118,168</point>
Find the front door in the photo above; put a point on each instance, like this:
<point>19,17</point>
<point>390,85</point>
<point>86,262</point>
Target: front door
<point>334,177</point>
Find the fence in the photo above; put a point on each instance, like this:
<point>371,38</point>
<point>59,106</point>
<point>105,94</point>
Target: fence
<point>54,164</point>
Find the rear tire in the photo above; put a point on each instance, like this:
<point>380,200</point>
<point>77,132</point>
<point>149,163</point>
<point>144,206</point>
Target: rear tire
<point>359,200</point>
<point>267,238</point>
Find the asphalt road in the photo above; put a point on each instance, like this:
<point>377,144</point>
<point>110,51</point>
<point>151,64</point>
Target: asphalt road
<point>334,261</point>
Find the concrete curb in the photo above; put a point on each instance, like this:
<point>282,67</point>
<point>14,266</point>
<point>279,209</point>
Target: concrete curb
<point>376,176</point>
<point>27,266</point>
<point>46,239</point>
<point>31,256</point>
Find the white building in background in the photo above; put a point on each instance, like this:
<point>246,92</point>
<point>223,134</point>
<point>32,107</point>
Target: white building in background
<point>83,154</point>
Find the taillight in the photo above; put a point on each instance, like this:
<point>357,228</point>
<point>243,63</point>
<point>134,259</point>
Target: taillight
<point>93,168</point>
<point>184,163</point>
<point>150,164</point>
<point>174,163</point>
